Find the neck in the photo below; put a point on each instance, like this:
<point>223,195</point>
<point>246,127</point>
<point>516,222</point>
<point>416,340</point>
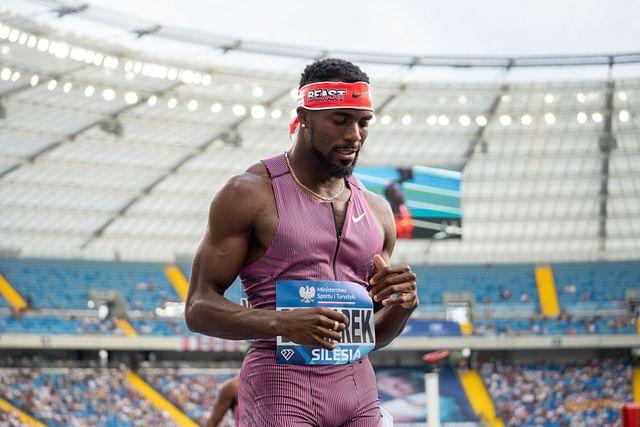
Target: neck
<point>311,186</point>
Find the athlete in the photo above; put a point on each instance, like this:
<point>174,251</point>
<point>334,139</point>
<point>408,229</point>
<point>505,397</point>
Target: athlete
<point>227,401</point>
<point>303,215</point>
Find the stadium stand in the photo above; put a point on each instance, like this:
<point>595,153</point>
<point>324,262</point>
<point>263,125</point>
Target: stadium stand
<point>558,395</point>
<point>113,154</point>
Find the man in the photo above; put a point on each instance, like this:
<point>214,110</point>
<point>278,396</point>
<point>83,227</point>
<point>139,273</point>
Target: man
<point>303,216</point>
<point>227,401</point>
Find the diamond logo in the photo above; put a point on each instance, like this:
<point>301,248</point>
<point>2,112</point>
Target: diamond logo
<point>287,353</point>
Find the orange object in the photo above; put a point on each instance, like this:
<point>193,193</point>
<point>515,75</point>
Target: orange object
<point>404,223</point>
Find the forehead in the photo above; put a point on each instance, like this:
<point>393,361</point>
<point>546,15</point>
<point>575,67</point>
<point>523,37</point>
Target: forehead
<point>347,112</point>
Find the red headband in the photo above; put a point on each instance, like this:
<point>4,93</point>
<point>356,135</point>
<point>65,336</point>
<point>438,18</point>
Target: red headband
<point>331,95</point>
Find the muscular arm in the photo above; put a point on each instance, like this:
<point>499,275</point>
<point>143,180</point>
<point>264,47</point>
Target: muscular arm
<point>219,258</point>
<point>393,288</point>
<point>236,216</point>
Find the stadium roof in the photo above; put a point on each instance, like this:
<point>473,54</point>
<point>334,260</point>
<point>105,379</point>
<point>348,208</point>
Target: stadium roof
<point>112,146</point>
<point>285,34</point>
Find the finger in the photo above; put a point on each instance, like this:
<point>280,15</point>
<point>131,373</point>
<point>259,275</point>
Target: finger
<point>379,262</point>
<point>379,265</point>
<point>390,281</point>
<point>395,289</point>
<point>336,336</point>
<point>388,271</point>
<point>333,315</point>
<point>324,342</point>
<point>400,299</point>
<point>397,280</point>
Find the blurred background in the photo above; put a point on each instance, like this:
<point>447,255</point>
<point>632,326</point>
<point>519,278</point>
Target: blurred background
<point>506,139</point>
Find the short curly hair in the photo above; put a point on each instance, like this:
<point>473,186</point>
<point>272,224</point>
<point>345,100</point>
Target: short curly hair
<point>332,69</point>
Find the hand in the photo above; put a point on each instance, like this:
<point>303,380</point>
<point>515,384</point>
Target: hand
<point>312,326</point>
<point>393,285</point>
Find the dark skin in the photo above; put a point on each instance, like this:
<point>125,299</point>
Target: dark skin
<point>243,221</point>
<point>227,398</point>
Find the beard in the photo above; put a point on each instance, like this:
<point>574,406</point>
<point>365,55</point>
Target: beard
<point>334,171</point>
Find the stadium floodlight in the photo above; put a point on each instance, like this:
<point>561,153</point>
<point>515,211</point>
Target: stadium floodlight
<point>43,45</point>
<point>481,121</point>
<point>192,105</point>
<point>152,100</point>
<point>596,117</point>
<point>549,98</point>
<point>582,117</point>
<point>505,120</point>
<point>432,120</point>
<point>239,110</point>
<point>406,119</point>
<point>171,103</point>
<point>53,83</point>
<point>386,119</point>
<point>109,94</point>
<point>257,111</point>
<point>464,120</point>
<point>581,97</point>
<point>34,80</point>
<point>622,95</point>
<point>216,107</point>
<point>66,88</point>
<point>443,120</point>
<point>462,99</point>
<point>550,119</point>
<point>89,91</point>
<point>130,98</point>
<point>623,115</point>
<point>257,91</point>
<point>15,76</point>
<point>5,74</point>
<point>276,113</point>
<point>526,119</point>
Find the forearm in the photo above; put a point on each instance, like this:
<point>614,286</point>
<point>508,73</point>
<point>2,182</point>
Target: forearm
<point>390,322</point>
<point>216,316</point>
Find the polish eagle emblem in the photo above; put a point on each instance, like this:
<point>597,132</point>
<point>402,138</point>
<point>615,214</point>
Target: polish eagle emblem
<point>307,293</point>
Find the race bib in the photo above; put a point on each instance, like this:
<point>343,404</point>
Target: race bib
<point>358,339</point>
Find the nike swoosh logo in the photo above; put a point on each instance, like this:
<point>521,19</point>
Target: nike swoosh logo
<point>359,217</point>
<point>358,95</point>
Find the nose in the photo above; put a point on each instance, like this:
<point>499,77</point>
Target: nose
<point>353,133</point>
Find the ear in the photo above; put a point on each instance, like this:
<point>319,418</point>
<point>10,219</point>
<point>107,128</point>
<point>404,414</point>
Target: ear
<point>302,116</point>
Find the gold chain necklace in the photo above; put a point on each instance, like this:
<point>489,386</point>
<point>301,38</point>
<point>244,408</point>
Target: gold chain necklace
<point>319,196</point>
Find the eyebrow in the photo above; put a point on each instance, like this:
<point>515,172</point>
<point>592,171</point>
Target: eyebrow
<point>352,115</point>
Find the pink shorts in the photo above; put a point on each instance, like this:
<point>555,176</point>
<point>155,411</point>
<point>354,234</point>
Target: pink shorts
<point>273,395</point>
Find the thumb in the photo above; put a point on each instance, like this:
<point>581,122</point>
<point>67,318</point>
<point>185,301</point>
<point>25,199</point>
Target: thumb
<point>379,262</point>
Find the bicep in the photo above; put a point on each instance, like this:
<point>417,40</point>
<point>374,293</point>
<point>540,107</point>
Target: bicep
<point>223,249</point>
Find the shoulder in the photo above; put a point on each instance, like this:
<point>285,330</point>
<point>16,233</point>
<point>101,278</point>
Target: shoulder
<point>252,184</point>
<point>243,196</point>
<point>378,205</point>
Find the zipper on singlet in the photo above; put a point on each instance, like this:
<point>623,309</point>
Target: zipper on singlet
<point>338,238</point>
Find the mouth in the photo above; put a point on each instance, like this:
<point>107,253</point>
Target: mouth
<point>346,153</point>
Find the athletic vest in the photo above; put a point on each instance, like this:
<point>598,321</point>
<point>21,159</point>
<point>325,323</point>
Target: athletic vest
<point>306,245</point>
